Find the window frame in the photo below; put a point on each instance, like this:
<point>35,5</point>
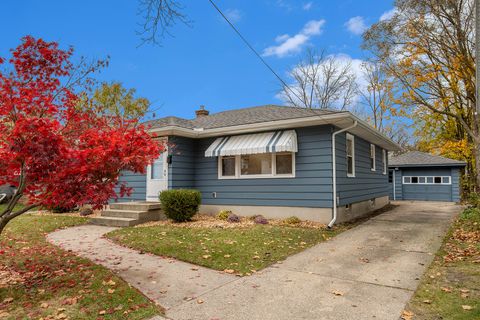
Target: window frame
<point>373,164</point>
<point>238,171</point>
<point>405,178</point>
<point>384,161</point>
<point>350,137</point>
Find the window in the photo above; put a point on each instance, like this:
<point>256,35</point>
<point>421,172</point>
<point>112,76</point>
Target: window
<point>390,176</point>
<point>427,180</point>
<point>228,166</point>
<point>350,155</point>
<point>262,165</point>
<point>384,161</point>
<point>256,164</point>
<point>156,171</point>
<point>372,157</point>
<point>284,163</point>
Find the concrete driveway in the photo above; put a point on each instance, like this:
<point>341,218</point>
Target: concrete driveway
<point>369,272</point>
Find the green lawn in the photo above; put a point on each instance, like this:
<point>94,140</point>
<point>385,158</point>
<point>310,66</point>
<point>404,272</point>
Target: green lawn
<point>40,280</point>
<point>239,250</point>
<point>450,289</point>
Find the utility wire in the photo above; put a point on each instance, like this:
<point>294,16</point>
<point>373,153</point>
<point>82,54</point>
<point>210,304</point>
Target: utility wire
<point>253,49</point>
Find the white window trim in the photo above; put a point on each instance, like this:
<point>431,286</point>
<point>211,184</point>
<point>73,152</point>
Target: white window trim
<point>429,183</point>
<point>373,155</point>
<point>352,138</point>
<point>384,161</point>
<point>274,174</point>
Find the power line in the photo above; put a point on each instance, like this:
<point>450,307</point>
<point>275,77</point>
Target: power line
<point>253,50</point>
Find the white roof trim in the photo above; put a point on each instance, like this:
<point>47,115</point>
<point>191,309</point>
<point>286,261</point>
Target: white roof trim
<point>266,142</point>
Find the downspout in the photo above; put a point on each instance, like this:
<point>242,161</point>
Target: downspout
<point>394,186</point>
<point>334,164</point>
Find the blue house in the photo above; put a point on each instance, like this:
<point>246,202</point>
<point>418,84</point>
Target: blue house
<point>421,176</point>
<point>319,165</point>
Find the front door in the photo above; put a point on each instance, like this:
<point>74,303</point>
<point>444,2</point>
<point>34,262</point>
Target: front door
<point>157,177</point>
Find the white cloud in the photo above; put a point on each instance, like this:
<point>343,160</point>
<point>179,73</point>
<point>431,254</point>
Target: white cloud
<point>387,15</point>
<point>234,15</point>
<point>307,6</point>
<point>356,25</point>
<point>292,44</point>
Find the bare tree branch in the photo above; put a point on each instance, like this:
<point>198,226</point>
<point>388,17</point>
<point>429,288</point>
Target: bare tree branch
<point>159,16</point>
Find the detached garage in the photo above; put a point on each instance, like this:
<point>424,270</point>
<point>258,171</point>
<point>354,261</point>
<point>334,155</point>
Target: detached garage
<point>421,176</point>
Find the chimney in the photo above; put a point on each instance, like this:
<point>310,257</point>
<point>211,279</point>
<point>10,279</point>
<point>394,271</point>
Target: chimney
<point>201,112</point>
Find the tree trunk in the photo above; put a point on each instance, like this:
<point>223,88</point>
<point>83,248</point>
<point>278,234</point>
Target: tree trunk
<point>477,166</point>
<point>3,224</point>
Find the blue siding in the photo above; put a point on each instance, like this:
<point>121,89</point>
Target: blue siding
<point>311,187</point>
<point>181,172</point>
<point>366,184</point>
<point>138,183</point>
<point>456,184</point>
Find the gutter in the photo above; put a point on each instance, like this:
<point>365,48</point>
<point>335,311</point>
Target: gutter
<point>334,168</point>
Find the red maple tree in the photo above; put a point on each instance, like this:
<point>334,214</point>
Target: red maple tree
<point>56,153</point>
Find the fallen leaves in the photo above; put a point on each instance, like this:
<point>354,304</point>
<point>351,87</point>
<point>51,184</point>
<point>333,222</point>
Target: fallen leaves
<point>230,271</point>
<point>467,307</point>
<point>8,300</point>
<point>337,293</point>
<point>407,315</point>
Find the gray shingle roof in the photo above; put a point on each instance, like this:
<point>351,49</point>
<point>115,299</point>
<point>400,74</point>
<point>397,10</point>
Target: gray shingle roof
<point>241,116</point>
<point>417,158</point>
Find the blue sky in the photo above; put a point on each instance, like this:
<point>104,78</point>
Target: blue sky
<point>205,64</point>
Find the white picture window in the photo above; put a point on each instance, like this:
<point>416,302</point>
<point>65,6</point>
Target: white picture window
<point>350,155</point>
<point>427,180</point>
<point>256,164</point>
<point>372,157</point>
<point>384,161</point>
<point>262,165</point>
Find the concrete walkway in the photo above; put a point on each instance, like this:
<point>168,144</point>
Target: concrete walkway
<point>369,272</point>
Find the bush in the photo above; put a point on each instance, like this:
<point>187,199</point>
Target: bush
<point>260,220</point>
<point>223,215</point>
<point>292,220</point>
<point>233,218</point>
<point>470,214</point>
<point>62,209</point>
<point>86,212</point>
<point>474,199</point>
<point>180,204</point>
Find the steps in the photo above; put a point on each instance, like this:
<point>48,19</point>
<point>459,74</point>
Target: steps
<point>127,214</point>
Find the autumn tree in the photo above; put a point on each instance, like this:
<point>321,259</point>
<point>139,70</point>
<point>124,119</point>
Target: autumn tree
<point>113,99</point>
<point>429,47</point>
<point>55,153</point>
<point>321,81</point>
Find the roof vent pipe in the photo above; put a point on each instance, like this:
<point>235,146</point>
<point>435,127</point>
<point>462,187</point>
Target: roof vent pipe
<point>334,168</point>
<point>201,112</point>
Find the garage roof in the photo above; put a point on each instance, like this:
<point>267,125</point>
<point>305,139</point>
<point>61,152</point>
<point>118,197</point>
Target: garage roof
<point>423,159</point>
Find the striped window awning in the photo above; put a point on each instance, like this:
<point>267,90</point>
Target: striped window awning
<point>275,141</point>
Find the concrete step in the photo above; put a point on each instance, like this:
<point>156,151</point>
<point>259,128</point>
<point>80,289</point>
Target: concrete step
<point>115,221</point>
<point>152,215</point>
<point>135,206</point>
<point>132,214</point>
